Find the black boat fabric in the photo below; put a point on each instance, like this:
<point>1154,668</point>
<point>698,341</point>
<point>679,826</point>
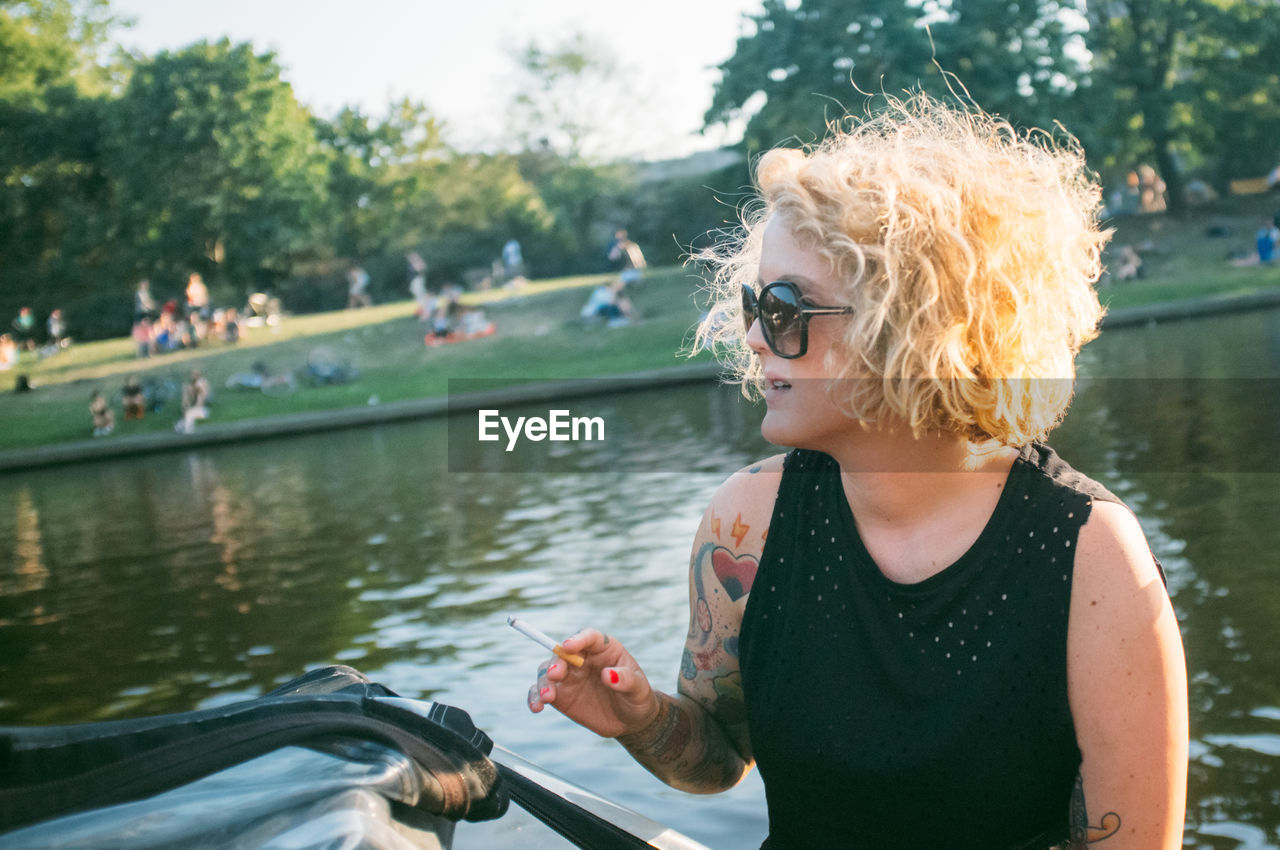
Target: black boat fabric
<point>52,771</point>
<point>582,828</point>
<point>885,715</point>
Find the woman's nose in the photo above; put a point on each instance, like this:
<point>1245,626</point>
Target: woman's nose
<point>755,337</point>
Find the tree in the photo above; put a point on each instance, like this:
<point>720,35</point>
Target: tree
<point>1186,82</point>
<point>577,100</point>
<point>476,203</point>
<point>54,76</point>
<point>376,170</point>
<point>804,63</point>
<point>396,185</point>
<point>218,166</point>
<point>574,112</point>
<point>46,45</point>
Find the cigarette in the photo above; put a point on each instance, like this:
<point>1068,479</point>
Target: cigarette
<point>540,638</point>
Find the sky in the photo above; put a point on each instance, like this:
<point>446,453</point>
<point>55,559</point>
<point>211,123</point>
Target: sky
<point>454,56</point>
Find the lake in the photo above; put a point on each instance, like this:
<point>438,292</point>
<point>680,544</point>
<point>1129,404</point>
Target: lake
<point>191,579</point>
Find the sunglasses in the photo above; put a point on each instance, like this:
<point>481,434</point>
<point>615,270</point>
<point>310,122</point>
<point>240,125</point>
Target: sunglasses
<point>784,318</point>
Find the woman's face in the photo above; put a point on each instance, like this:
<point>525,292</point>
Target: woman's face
<point>800,412</point>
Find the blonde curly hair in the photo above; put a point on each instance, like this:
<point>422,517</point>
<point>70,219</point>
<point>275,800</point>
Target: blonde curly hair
<point>968,251</point>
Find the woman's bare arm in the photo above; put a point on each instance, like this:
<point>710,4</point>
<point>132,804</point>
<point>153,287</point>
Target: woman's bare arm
<point>1128,689</point>
<point>697,739</point>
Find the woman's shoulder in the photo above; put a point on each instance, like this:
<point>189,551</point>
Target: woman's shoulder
<point>737,516</point>
<point>1114,557</point>
<point>753,482</point>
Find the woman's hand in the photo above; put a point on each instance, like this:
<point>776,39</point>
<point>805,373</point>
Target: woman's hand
<point>609,694</point>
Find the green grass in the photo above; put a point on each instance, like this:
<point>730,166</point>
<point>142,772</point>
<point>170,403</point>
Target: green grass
<point>539,337</point>
<point>1181,260</point>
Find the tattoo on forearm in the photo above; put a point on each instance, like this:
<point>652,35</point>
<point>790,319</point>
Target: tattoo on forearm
<point>1082,833</point>
<point>672,748</point>
<point>666,736</point>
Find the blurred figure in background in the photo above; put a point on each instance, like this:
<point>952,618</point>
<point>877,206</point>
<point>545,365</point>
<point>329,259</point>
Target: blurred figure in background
<point>144,305</point>
<point>418,286</point>
<point>197,295</point>
<point>143,337</point>
<point>358,288</point>
<point>9,353</point>
<point>134,399</point>
<point>626,257</point>
<point>56,329</point>
<point>24,329</point>
<point>104,420</point>
<point>195,402</point>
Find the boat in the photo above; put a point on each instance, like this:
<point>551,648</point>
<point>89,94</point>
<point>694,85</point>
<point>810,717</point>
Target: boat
<point>328,760</point>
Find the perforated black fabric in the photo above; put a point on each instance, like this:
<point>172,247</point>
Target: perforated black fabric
<point>930,715</point>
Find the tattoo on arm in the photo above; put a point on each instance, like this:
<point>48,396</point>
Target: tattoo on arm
<point>1082,833</point>
<point>697,740</point>
<point>683,747</point>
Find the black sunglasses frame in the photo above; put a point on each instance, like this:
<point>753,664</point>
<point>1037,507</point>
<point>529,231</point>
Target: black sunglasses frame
<point>751,311</point>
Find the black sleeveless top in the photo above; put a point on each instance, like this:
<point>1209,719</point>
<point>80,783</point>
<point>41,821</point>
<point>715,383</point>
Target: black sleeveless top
<point>929,715</point>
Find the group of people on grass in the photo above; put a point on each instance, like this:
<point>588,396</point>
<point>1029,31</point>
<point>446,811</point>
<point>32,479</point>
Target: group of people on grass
<point>137,399</point>
<point>23,335</point>
<point>174,326</point>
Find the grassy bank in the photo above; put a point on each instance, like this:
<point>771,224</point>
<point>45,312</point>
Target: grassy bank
<point>539,337</point>
<point>1192,257</point>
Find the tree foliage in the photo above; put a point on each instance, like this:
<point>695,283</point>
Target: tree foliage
<point>806,64</point>
<point>48,45</point>
<point>1186,83</point>
<point>1183,83</point>
<point>375,169</point>
<point>567,98</point>
<point>54,74</point>
<point>217,166</point>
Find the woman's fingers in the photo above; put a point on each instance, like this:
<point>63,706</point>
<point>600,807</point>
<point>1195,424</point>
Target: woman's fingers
<point>541,694</point>
<point>554,670</point>
<point>603,694</point>
<point>587,641</point>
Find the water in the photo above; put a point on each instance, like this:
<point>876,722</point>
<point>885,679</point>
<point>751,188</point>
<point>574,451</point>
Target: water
<point>189,580</point>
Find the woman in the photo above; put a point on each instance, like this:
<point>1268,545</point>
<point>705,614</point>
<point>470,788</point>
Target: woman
<point>925,627</point>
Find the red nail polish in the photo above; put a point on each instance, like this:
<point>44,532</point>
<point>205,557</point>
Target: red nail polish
<point>544,693</point>
<point>613,676</point>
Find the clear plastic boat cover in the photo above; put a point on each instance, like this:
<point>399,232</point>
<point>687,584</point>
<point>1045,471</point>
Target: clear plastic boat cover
<point>294,798</point>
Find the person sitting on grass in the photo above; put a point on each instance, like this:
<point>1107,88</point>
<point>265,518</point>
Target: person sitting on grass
<point>610,303</point>
<point>9,352</point>
<point>1129,266</point>
<point>104,419</point>
<point>134,399</point>
<point>195,402</point>
<point>447,309</point>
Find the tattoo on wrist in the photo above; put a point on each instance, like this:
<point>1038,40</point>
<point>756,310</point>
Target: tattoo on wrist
<point>1082,833</point>
<point>644,740</point>
<point>666,746</point>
